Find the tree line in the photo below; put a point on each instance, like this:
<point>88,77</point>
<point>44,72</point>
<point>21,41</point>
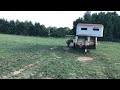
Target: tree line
<point>29,29</point>
<point>110,20</point>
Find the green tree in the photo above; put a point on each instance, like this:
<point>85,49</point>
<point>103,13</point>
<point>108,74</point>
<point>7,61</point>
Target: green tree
<point>12,27</point>
<point>87,17</point>
<point>79,20</point>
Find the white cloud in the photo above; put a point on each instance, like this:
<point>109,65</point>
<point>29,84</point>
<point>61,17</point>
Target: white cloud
<point>48,18</point>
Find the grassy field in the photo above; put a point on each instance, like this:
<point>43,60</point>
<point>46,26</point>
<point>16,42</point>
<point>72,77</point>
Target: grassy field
<point>48,58</point>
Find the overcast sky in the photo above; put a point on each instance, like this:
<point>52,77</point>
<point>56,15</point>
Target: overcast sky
<point>48,18</point>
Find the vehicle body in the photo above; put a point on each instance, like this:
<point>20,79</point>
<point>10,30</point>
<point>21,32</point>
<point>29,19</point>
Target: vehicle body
<point>87,34</point>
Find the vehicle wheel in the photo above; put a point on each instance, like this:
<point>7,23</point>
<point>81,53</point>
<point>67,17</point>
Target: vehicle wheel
<point>74,45</point>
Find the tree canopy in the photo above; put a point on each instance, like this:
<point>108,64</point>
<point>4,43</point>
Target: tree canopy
<point>110,21</point>
<point>29,29</point>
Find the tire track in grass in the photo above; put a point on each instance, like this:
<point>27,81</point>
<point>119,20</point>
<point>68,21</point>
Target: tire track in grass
<point>19,71</point>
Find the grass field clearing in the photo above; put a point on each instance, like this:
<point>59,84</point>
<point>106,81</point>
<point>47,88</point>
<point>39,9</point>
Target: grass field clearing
<point>24,57</point>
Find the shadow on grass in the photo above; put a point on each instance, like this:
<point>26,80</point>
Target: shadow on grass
<point>27,48</point>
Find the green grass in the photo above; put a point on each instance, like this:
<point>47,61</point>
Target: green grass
<point>16,52</point>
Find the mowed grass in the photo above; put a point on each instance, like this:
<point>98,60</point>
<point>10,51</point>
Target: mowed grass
<point>23,57</point>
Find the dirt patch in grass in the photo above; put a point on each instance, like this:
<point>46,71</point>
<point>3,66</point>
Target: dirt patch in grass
<point>53,48</point>
<point>47,78</point>
<point>19,71</point>
<point>57,57</point>
<point>72,76</point>
<point>84,59</point>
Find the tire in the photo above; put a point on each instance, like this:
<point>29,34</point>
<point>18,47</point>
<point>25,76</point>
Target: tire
<point>74,45</point>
